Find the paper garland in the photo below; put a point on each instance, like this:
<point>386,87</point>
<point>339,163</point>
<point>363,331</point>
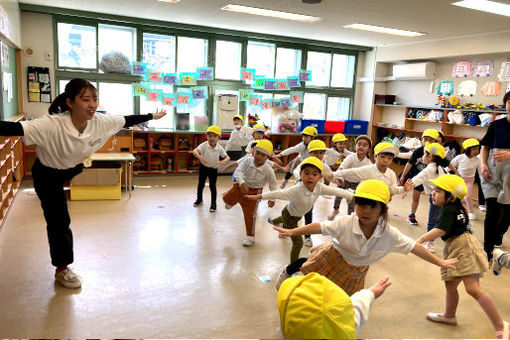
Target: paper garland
<point>205,73</point>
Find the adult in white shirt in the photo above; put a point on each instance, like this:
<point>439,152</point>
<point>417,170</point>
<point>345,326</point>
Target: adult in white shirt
<point>70,134</point>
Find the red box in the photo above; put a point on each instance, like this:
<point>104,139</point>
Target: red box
<point>334,126</point>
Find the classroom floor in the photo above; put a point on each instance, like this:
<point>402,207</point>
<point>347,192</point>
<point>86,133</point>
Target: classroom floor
<point>155,267</point>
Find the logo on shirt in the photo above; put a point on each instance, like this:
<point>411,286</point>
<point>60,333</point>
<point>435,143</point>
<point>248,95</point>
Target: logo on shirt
<point>92,143</point>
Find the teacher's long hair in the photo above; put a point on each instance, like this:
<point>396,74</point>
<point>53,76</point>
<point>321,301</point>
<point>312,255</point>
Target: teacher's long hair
<point>74,88</point>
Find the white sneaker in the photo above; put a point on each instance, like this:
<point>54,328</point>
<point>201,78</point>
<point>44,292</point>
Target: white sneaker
<point>497,254</point>
<point>248,241</point>
<point>482,207</point>
<point>333,215</point>
<point>283,276</point>
<point>308,242</point>
<point>471,216</point>
<point>284,184</point>
<point>68,279</point>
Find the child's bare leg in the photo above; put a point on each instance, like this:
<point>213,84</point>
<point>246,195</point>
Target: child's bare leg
<point>416,200</point>
<point>452,298</point>
<point>472,285</point>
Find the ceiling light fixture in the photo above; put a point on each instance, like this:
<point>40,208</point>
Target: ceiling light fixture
<point>485,6</point>
<point>172,1</point>
<point>385,30</point>
<point>269,13</point>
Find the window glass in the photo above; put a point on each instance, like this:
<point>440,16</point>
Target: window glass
<point>116,98</point>
<point>192,53</point>
<point>76,46</point>
<point>150,107</point>
<point>261,58</point>
<point>116,39</point>
<point>338,108</point>
<point>228,60</point>
<point>288,62</point>
<point>159,52</point>
<point>320,65</point>
<point>314,106</point>
<point>197,108</point>
<point>265,116</point>
<point>342,74</point>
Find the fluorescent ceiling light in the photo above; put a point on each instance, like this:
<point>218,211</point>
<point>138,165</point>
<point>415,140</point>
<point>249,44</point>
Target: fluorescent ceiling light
<point>485,6</point>
<point>172,1</point>
<point>269,13</point>
<point>379,29</point>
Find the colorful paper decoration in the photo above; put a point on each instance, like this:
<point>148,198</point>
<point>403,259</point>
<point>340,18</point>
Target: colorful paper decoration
<point>205,73</point>
<point>445,88</point>
<point>199,92</point>
<point>188,78</point>
<point>293,81</point>
<point>285,102</point>
<point>267,104</point>
<point>154,76</point>
<point>504,73</point>
<point>255,101</point>
<point>260,82</point>
<point>491,89</point>
<point>270,84</point>
<point>139,90</point>
<point>184,98</point>
<point>277,103</point>
<point>170,79</point>
<point>154,95</point>
<point>461,69</point>
<point>247,74</point>
<point>244,95</point>
<point>169,99</point>
<point>467,88</point>
<point>483,68</point>
<point>283,84</point>
<point>305,75</point>
<point>138,68</point>
<point>296,97</point>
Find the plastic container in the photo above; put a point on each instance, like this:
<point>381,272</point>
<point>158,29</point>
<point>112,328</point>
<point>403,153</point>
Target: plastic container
<point>319,124</point>
<point>356,127</point>
<point>334,126</point>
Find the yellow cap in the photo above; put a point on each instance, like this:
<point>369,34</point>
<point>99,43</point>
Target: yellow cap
<point>468,143</point>
<point>264,146</point>
<point>338,137</point>
<point>364,137</point>
<point>432,133</point>
<point>214,129</point>
<point>373,189</point>
<point>435,149</point>
<point>313,161</point>
<point>238,116</point>
<point>316,145</point>
<point>385,147</point>
<point>313,307</point>
<point>259,128</point>
<point>309,131</point>
<point>451,183</point>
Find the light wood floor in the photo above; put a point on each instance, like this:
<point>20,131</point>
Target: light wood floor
<point>155,267</point>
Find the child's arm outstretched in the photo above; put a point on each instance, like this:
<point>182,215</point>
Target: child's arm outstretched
<point>313,228</point>
<point>426,255</point>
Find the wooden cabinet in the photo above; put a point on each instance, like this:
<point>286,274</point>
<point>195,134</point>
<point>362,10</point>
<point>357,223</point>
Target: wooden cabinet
<point>11,171</point>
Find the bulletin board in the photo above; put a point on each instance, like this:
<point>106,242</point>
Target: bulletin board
<point>9,82</point>
<point>38,84</point>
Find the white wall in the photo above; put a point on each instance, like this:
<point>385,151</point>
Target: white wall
<point>37,33</point>
<point>13,14</point>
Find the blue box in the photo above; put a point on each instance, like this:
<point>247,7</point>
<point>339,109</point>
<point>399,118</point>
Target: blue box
<point>356,127</point>
<point>319,124</point>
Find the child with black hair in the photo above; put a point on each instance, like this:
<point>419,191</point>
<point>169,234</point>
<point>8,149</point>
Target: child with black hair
<point>453,227</point>
<point>359,240</point>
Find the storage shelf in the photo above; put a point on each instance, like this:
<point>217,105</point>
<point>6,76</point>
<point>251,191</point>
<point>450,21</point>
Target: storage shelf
<point>440,108</point>
<point>163,151</point>
<point>140,151</point>
<point>424,120</point>
<point>475,126</point>
<point>396,129</point>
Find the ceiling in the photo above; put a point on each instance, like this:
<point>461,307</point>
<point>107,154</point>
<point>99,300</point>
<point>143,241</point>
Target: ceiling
<point>438,18</point>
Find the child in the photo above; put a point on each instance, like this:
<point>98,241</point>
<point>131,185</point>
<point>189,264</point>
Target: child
<point>467,164</point>
<point>313,307</point>
<point>239,139</point>
<point>259,132</point>
<point>209,153</point>
<point>251,174</point>
<point>301,198</point>
<point>384,153</point>
<point>453,227</point>
<point>337,153</point>
<point>358,159</point>
<point>308,133</point>
<point>359,240</point>
<point>71,133</point>
<point>433,155</point>
<point>500,259</point>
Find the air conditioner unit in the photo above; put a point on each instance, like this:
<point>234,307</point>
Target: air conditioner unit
<point>415,71</point>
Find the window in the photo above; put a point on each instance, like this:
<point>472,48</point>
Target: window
<point>191,53</point>
<point>314,106</point>
<point>117,39</point>
<point>76,46</point>
<point>261,58</point>
<point>338,108</point>
<point>320,65</point>
<point>116,98</point>
<point>197,108</point>
<point>288,62</point>
<point>265,116</point>
<point>342,74</point>
<point>149,107</point>
<point>159,52</point>
<point>228,60</point>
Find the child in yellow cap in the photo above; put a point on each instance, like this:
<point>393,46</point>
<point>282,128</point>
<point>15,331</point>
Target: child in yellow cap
<point>359,240</point>
<point>239,138</point>
<point>338,151</point>
<point>209,154</point>
<point>453,227</point>
<point>313,307</point>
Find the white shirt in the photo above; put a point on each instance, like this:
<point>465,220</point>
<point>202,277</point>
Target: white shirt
<point>332,155</point>
<point>432,171</point>
<point>249,155</point>
<point>361,304</point>
<point>300,148</point>
<point>351,243</point>
<point>372,172</point>
<point>239,138</point>
<point>301,199</point>
<point>255,177</point>
<point>351,162</point>
<point>465,165</point>
<point>211,155</point>
<point>325,170</point>
<point>60,145</point>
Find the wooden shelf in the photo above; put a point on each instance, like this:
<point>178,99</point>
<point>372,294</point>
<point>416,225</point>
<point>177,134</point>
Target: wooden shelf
<point>424,120</point>
<point>475,126</point>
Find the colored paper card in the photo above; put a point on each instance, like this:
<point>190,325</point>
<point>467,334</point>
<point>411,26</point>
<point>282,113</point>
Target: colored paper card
<point>270,84</point>
<point>255,101</point>
<point>154,95</point>
<point>188,78</point>
<point>154,76</point>
<point>461,69</point>
<point>247,74</point>
<point>483,68</point>
<point>199,92</point>
<point>491,89</point>
<point>285,102</point>
<point>169,99</point>
<point>283,84</point>
<point>184,98</point>
<point>504,73</point>
<point>293,81</point>
<point>138,68</point>
<point>260,82</point>
<point>244,95</point>
<point>205,73</point>
<point>170,79</point>
<point>277,103</point>
<point>296,97</point>
<point>445,88</point>
<point>139,90</point>
<point>266,104</point>
<point>467,88</point>
<point>305,75</point>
